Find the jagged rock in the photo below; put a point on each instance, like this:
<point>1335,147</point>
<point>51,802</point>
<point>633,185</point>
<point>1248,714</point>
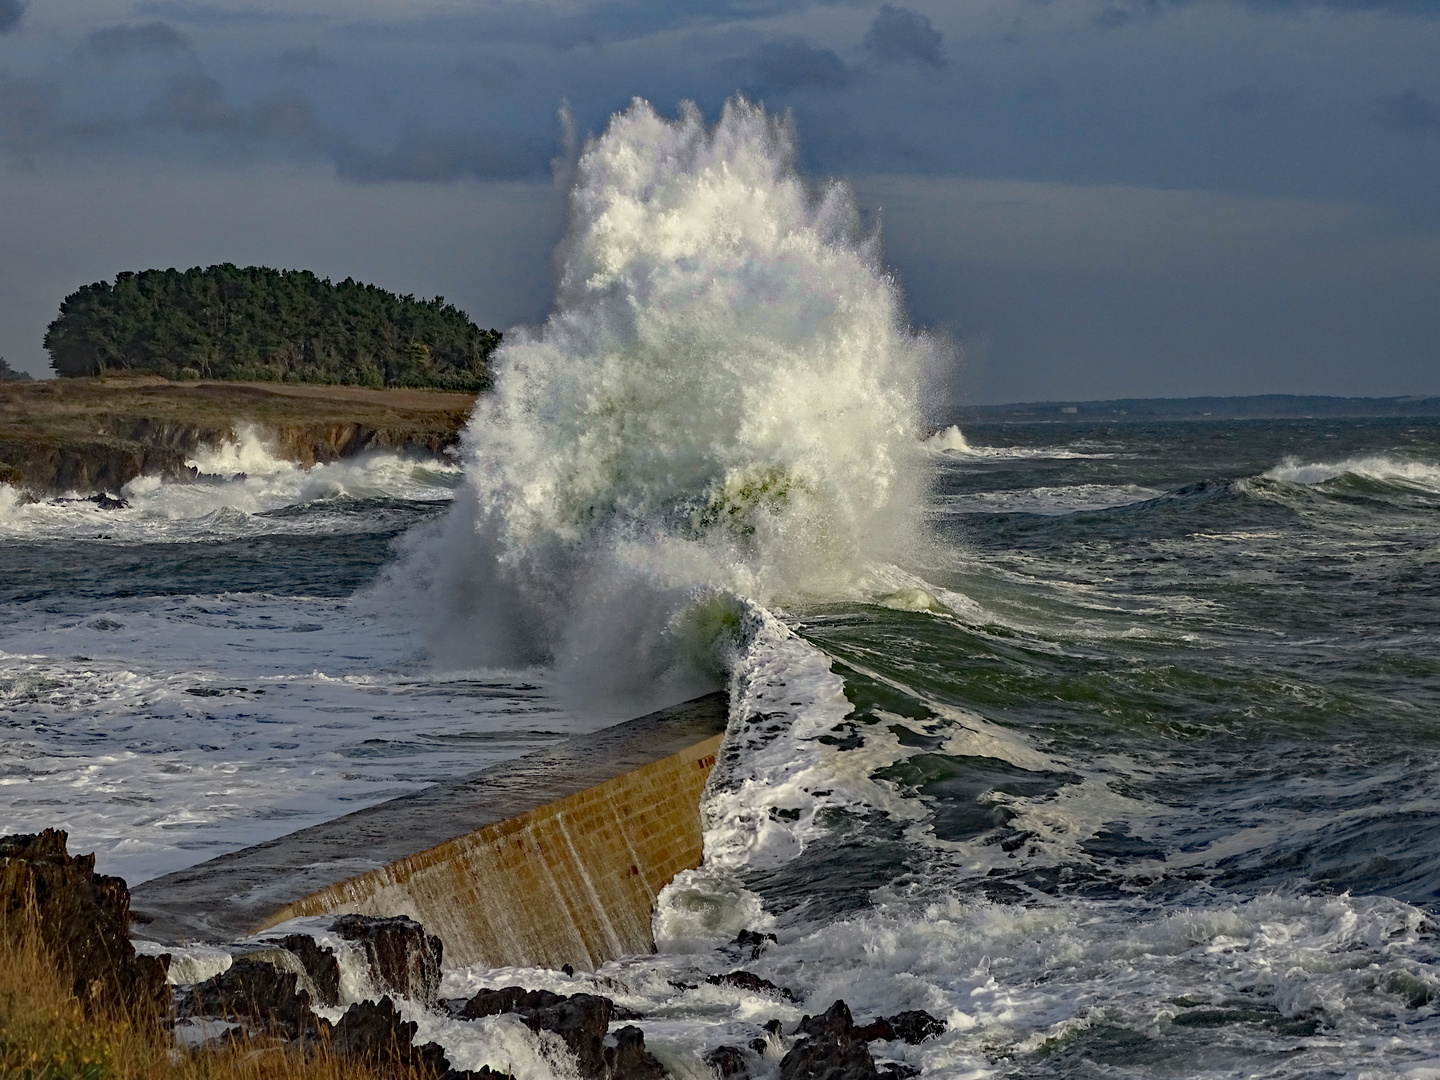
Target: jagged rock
<point>829,1050</point>
<point>754,983</point>
<point>402,957</point>
<point>254,990</point>
<point>319,963</point>
<point>581,1020</point>
<point>514,999</point>
<point>911,1026</point>
<point>627,1059</point>
<point>374,1031</point>
<point>83,918</point>
<point>731,1060</point>
<point>915,1025</point>
<point>754,941</point>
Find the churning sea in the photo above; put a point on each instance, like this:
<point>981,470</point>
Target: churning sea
<point>1131,769</point>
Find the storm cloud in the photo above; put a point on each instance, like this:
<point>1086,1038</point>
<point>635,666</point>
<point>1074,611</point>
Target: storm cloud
<point>1278,105</point>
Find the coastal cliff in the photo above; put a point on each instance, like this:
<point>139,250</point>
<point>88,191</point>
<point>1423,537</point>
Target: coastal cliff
<point>97,434</point>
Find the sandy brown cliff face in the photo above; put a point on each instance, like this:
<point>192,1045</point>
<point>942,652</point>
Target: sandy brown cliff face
<point>91,435</point>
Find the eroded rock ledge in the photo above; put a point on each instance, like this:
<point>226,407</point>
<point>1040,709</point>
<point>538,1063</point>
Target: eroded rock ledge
<point>98,434</point>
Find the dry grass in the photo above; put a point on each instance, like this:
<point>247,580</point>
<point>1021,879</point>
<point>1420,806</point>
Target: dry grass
<point>45,1035</point>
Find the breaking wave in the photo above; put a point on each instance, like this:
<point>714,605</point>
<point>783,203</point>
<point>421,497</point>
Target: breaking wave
<point>1375,467</point>
<point>722,408</point>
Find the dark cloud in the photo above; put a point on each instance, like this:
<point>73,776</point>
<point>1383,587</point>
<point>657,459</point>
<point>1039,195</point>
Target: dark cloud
<point>196,105</point>
<point>155,38</point>
<point>899,34</point>
<point>25,112</point>
<point>793,64</point>
<point>448,155</point>
<point>10,12</point>
<point>1409,112</point>
<point>1423,8</point>
<point>208,14</point>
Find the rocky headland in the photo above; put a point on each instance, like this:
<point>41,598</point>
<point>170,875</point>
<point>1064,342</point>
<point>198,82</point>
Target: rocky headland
<point>270,990</point>
<point>94,435</point>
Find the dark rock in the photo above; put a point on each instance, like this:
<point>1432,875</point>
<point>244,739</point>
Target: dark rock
<point>568,970</point>
<point>896,1071</point>
<point>402,957</point>
<point>319,963</point>
<point>510,999</point>
<point>255,991</point>
<point>83,919</point>
<point>730,1060</point>
<point>627,1059</point>
<point>879,1030</point>
<point>754,983</point>
<point>916,1025</point>
<point>911,1026</point>
<point>106,501</point>
<point>755,942</point>
<point>581,1020</point>
<point>374,1032</point>
<point>829,1049</point>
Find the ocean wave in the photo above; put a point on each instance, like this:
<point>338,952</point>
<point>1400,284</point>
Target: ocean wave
<point>1072,499</point>
<point>951,443</point>
<point>239,488</point>
<point>1377,467</point>
<point>724,404</point>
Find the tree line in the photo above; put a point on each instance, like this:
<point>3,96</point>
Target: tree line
<point>255,323</point>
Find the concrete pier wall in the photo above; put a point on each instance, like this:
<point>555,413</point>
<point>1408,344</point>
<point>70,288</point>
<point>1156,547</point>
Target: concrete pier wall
<point>553,858</point>
<point>572,882</point>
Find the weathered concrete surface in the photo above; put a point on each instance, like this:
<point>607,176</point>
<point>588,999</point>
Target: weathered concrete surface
<point>553,858</point>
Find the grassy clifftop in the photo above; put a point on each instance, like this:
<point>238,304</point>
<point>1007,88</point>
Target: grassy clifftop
<point>96,434</point>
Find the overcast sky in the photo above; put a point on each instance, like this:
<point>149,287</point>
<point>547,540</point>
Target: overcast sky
<point>1095,198</point>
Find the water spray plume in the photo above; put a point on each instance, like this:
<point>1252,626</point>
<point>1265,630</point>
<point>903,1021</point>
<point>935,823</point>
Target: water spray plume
<point>724,403</point>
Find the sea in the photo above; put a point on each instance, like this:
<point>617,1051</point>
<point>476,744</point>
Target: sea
<point>1112,744</point>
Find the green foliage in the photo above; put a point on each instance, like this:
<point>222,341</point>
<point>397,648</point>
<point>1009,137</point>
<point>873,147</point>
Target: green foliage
<point>255,323</point>
<point>9,374</point>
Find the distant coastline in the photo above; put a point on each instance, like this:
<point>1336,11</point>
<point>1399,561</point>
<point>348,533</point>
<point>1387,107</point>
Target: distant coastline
<point>1248,407</point>
<point>95,435</point>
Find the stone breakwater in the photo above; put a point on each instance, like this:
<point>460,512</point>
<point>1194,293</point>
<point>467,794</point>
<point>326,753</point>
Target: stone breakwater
<point>94,435</point>
<point>551,859</point>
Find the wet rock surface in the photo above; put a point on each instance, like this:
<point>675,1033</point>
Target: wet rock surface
<point>745,980</point>
<point>254,993</point>
<point>320,965</point>
<point>83,918</point>
<point>374,1031</point>
<point>628,1059</point>
<point>754,941</point>
<point>403,959</point>
<point>581,1021</point>
<point>911,1026</point>
<point>730,1061</point>
<point>831,1047</point>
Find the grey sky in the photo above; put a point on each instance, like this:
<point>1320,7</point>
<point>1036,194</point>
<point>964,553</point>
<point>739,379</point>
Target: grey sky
<point>1096,198</point>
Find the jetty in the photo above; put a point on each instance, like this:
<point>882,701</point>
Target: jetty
<point>553,858</point>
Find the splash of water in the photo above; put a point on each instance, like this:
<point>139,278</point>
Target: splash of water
<point>724,403</point>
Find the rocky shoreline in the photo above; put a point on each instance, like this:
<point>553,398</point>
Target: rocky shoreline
<point>94,435</point>
<point>271,989</point>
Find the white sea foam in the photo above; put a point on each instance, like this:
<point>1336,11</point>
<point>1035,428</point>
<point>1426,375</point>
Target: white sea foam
<point>951,443</point>
<point>724,401</point>
<point>240,484</point>
<point>1372,467</point>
